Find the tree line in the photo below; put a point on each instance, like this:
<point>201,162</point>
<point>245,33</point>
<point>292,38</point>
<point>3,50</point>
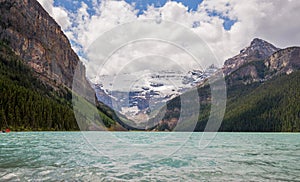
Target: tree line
<point>26,103</point>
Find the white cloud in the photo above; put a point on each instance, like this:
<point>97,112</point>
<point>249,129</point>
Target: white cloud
<point>274,21</point>
<point>108,15</point>
<point>59,14</point>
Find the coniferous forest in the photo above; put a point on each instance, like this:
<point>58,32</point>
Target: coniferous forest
<point>272,106</point>
<point>26,103</point>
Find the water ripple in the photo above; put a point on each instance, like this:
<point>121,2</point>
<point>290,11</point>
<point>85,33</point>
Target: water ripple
<point>69,157</point>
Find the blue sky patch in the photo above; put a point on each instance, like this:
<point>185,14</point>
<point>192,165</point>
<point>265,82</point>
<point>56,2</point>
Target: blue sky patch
<point>228,23</point>
<point>141,5</point>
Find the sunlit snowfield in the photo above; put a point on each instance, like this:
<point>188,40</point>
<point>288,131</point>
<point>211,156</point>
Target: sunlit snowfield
<point>73,156</point>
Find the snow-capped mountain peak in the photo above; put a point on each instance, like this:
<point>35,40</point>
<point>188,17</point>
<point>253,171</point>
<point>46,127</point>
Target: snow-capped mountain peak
<point>136,94</point>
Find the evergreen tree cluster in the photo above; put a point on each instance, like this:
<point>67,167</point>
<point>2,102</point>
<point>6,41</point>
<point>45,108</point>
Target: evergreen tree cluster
<point>272,106</point>
<point>26,103</point>
<point>29,104</point>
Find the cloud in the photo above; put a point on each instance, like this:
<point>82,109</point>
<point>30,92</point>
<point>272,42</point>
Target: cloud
<point>278,22</point>
<point>274,21</point>
<point>59,14</point>
<point>108,15</point>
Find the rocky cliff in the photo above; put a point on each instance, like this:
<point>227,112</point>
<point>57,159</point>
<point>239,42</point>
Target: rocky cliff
<point>33,35</point>
<point>258,50</point>
<point>284,61</point>
<point>31,40</point>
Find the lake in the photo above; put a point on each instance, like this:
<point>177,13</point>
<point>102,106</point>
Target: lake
<point>138,156</point>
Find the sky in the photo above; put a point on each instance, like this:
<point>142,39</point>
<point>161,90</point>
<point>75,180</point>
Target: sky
<point>226,26</point>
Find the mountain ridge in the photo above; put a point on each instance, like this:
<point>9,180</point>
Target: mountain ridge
<point>262,81</point>
<point>258,50</point>
<point>261,94</point>
<point>283,61</point>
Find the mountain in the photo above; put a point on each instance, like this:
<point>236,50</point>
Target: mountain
<point>37,79</point>
<point>284,61</point>
<point>265,98</point>
<point>38,69</point>
<point>26,102</point>
<point>149,93</point>
<point>262,92</point>
<point>258,50</point>
<point>39,41</point>
<point>269,107</point>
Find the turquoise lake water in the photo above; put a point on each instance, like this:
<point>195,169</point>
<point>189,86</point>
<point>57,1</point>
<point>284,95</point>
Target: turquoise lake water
<point>137,156</point>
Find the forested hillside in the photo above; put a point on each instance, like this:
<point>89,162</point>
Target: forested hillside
<point>262,96</point>
<point>37,69</point>
<point>269,107</point>
<point>28,104</point>
<point>272,106</point>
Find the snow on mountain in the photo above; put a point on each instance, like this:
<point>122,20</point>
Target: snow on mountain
<point>140,93</point>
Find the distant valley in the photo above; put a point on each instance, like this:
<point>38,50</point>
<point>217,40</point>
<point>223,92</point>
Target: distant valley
<point>150,93</point>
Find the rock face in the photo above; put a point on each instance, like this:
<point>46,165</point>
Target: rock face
<point>258,50</point>
<point>283,62</point>
<point>29,31</point>
<point>33,35</point>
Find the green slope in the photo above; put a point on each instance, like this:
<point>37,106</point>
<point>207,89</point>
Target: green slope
<point>271,106</point>
<point>26,103</point>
